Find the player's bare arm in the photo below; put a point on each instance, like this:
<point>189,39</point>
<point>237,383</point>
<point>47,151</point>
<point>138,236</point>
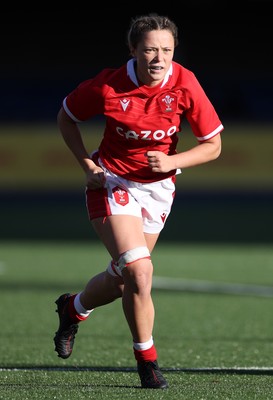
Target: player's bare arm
<point>204,152</point>
<point>73,139</point>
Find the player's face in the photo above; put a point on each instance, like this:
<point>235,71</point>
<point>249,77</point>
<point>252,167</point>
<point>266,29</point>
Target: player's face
<point>154,54</point>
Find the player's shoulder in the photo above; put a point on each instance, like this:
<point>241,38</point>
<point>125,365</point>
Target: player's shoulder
<point>182,73</point>
<point>108,74</point>
<point>103,78</point>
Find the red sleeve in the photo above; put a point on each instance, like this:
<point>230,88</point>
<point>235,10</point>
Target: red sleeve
<point>87,99</point>
<point>201,115</point>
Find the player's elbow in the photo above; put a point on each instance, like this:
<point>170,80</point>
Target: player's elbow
<point>217,151</point>
<point>217,147</point>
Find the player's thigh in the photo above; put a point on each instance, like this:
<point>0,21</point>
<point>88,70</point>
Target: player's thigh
<point>120,233</point>
<point>151,239</point>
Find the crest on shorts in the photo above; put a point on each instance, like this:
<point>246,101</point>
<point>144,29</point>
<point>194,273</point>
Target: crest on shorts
<point>121,196</point>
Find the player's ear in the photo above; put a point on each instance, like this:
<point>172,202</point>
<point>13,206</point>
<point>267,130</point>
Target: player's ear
<point>132,51</point>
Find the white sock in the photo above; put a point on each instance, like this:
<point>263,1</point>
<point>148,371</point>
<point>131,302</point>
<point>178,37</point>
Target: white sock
<point>144,345</point>
<point>79,308</point>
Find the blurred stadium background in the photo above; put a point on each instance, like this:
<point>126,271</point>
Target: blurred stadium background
<point>45,54</point>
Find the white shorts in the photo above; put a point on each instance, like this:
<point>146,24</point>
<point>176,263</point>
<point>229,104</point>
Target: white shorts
<point>150,201</point>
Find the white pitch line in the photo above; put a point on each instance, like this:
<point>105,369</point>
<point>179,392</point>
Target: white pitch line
<point>254,370</point>
<point>182,285</point>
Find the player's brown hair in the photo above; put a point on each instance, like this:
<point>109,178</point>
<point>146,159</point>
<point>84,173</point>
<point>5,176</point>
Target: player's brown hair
<point>147,23</point>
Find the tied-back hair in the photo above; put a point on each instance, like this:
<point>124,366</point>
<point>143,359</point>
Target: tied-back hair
<point>147,23</point>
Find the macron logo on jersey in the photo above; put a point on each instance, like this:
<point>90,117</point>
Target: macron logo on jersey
<point>124,104</point>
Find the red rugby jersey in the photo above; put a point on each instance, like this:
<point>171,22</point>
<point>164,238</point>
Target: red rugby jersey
<point>142,118</point>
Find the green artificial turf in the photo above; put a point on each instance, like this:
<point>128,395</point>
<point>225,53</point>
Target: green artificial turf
<point>211,344</point>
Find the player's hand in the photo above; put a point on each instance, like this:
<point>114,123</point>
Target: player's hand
<point>159,162</point>
<point>95,178</point>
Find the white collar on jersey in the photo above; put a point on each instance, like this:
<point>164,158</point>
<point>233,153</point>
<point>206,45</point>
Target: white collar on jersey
<point>132,75</point>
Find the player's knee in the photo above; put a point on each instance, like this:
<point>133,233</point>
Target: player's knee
<point>127,258</point>
<point>115,286</point>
